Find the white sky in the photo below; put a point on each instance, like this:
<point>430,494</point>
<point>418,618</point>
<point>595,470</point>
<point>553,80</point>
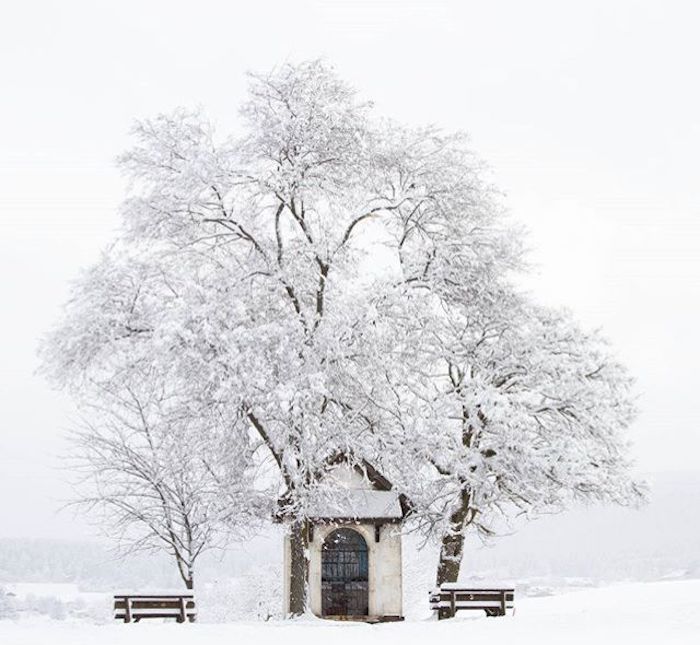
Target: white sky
<point>588,113</point>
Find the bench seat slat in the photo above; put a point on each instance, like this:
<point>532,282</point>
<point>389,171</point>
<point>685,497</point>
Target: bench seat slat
<point>472,598</point>
<point>471,590</point>
<point>452,586</point>
<point>475,594</point>
<point>155,610</point>
<point>152,598</point>
<point>136,610</point>
<point>466,604</point>
<point>165,604</point>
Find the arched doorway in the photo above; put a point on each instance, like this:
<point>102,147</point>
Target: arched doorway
<point>344,574</point>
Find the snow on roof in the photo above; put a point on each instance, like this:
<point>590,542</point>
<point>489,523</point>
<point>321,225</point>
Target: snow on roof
<point>358,504</point>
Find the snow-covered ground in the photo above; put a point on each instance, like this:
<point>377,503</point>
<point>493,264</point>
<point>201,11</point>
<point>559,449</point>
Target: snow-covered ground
<point>653,612</point>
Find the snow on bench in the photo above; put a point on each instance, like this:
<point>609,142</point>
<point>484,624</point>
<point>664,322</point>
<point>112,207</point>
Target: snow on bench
<point>128,607</point>
<point>449,599</point>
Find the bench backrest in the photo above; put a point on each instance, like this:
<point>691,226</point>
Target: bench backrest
<point>127,606</point>
<point>471,597</point>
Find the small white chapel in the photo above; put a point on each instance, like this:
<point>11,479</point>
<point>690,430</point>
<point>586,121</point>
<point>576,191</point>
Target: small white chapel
<point>354,548</point>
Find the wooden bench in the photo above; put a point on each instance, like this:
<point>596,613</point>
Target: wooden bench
<point>135,607</point>
<point>447,600</point>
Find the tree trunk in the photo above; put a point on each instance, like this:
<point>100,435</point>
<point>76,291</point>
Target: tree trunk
<point>451,552</point>
<point>189,583</point>
<point>186,571</point>
<point>452,543</point>
<point>298,570</point>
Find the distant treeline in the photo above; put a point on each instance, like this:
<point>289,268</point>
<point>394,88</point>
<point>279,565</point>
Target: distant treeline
<point>97,568</point>
<point>659,540</point>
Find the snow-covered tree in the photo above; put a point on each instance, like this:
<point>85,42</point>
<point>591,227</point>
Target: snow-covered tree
<point>162,473</point>
<point>7,604</point>
<point>246,279</point>
<point>512,409</point>
<point>244,295</point>
<point>159,463</point>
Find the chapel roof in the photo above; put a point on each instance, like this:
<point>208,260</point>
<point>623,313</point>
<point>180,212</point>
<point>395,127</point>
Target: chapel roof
<point>349,498</point>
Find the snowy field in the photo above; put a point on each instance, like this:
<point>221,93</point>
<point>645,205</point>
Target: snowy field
<point>655,612</point>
